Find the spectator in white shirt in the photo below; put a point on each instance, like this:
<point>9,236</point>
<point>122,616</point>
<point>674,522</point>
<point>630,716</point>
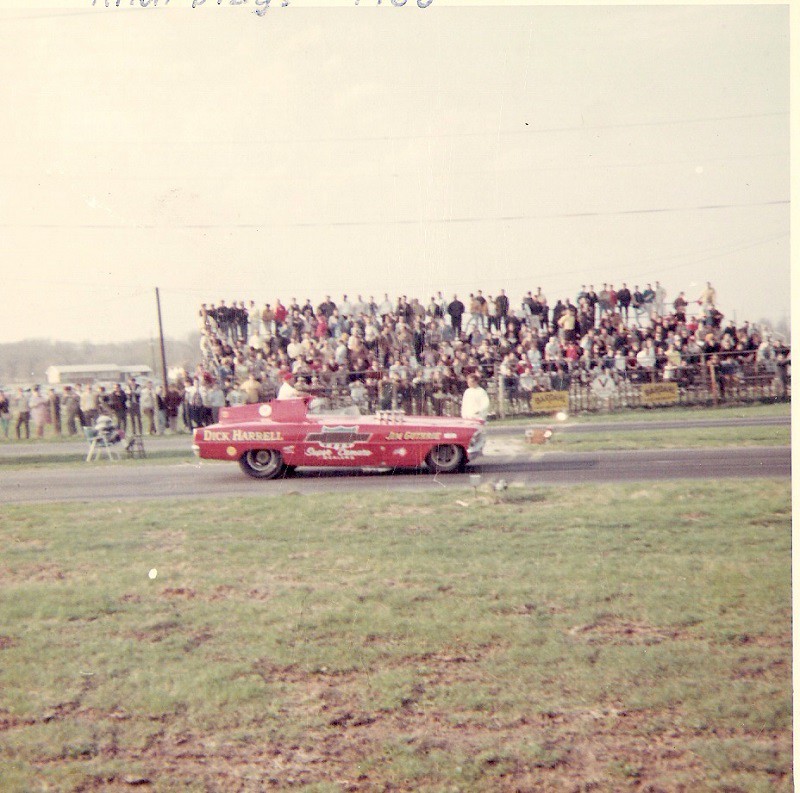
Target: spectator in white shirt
<point>475,402</point>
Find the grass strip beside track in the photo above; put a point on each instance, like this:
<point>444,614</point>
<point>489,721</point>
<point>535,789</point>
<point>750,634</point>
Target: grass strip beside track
<point>688,438</point>
<point>56,458</point>
<point>664,414</point>
<point>626,637</point>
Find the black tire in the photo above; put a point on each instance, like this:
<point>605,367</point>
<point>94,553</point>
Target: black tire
<point>262,463</point>
<point>446,458</point>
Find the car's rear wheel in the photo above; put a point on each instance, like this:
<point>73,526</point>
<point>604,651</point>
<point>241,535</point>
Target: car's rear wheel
<point>262,463</point>
<point>446,458</point>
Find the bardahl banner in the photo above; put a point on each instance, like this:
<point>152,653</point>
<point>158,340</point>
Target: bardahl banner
<point>659,393</point>
<point>550,401</point>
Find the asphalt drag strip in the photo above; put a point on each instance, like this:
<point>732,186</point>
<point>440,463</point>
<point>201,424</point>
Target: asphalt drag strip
<point>201,479</point>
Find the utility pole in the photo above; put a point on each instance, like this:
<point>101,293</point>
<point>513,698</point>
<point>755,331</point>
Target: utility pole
<point>161,337</point>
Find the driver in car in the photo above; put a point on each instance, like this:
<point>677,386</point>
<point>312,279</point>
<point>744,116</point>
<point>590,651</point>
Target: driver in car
<point>287,389</point>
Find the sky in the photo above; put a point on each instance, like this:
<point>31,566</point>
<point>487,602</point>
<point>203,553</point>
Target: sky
<point>217,154</point>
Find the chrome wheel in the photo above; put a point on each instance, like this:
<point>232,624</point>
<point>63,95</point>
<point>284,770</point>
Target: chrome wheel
<point>446,458</point>
<point>262,463</point>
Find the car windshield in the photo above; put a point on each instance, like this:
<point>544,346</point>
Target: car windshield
<point>320,406</point>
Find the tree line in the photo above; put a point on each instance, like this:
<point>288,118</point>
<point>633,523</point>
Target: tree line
<point>27,361</point>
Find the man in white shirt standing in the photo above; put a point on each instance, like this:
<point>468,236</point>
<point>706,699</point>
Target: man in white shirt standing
<point>147,406</point>
<point>385,307</point>
<point>345,307</point>
<point>475,402</point>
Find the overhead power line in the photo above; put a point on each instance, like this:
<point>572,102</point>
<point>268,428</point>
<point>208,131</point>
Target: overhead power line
<point>524,130</point>
<point>403,222</point>
<point>493,134</point>
<point>689,258</point>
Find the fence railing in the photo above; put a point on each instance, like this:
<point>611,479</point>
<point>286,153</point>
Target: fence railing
<point>706,381</point>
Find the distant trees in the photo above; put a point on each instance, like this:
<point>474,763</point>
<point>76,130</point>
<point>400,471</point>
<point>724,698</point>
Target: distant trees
<point>26,361</point>
<point>782,327</point>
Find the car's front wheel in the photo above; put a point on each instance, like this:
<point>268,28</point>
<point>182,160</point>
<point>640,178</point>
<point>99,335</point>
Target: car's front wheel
<point>446,458</point>
<point>262,463</point>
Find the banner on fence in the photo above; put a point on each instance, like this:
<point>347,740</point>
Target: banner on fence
<point>550,401</point>
<point>659,393</point>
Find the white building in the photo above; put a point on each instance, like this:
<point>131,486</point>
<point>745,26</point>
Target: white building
<point>88,373</point>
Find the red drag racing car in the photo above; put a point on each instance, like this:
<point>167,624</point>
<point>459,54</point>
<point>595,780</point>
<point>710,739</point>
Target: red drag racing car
<point>273,438</point>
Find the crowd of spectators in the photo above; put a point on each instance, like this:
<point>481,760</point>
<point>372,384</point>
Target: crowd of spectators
<point>417,355</point>
<point>408,350</point>
<point>134,407</point>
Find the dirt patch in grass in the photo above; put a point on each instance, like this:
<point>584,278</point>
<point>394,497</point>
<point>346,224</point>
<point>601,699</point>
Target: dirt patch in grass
<point>354,749</point>
<point>197,639</point>
<point>762,640</point>
<point>169,537</point>
<point>748,671</point>
<point>406,510</point>
<point>412,744</point>
<point>693,516</point>
<point>611,630</point>
<point>218,593</point>
<point>178,592</point>
<point>156,633</point>
<point>600,749</point>
<point>223,592</point>
<point>258,593</point>
<point>45,571</point>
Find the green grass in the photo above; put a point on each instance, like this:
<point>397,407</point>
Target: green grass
<point>50,460</point>
<point>667,414</point>
<point>159,449</point>
<point>623,635</point>
<point>51,437</point>
<point>689,438</point>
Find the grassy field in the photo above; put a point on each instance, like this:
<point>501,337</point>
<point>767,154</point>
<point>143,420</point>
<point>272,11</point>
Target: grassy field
<point>623,637</point>
<point>687,438</point>
<point>669,414</point>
